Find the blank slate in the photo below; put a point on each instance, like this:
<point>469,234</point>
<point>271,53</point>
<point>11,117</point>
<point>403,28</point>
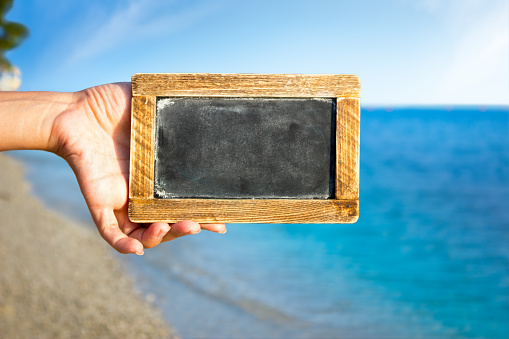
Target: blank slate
<point>244,148</point>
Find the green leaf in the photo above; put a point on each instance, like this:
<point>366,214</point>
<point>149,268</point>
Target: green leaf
<point>5,6</point>
<point>13,34</point>
<point>4,64</point>
<point>6,44</point>
<point>15,29</point>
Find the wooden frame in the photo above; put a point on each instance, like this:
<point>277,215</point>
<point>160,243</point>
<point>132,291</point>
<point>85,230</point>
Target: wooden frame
<point>343,208</point>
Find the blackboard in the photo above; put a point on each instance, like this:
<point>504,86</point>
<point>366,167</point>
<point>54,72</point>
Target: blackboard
<point>244,148</point>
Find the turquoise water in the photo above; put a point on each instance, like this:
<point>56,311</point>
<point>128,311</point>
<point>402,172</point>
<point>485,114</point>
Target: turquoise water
<point>429,257</point>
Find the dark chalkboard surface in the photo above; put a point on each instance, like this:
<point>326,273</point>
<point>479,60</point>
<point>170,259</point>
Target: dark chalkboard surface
<point>244,148</point>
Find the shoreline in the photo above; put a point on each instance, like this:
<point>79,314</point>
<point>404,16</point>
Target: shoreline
<point>59,279</point>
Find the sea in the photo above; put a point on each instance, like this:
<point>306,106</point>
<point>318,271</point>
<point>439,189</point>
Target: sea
<point>428,258</point>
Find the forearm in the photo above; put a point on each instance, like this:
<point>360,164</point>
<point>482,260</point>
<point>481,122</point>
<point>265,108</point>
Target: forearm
<point>26,118</point>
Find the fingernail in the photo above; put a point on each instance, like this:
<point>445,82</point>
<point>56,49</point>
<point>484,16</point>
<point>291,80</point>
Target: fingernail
<point>225,230</point>
<point>162,233</point>
<point>139,252</point>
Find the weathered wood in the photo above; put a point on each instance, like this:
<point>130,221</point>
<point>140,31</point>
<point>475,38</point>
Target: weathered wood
<point>244,210</point>
<point>347,149</point>
<point>141,174</point>
<point>247,85</point>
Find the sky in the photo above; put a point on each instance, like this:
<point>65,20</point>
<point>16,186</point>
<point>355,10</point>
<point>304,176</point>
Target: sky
<point>406,52</point>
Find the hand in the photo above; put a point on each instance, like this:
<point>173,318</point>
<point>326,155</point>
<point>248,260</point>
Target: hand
<point>93,136</point>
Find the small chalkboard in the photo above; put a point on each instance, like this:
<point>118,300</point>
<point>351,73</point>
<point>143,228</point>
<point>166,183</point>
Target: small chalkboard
<point>244,148</point>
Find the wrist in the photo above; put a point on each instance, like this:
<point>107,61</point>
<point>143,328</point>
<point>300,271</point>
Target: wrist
<point>28,119</point>
<point>58,132</point>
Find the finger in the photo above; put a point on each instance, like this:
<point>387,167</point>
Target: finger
<point>217,228</point>
<point>151,236</point>
<point>182,228</point>
<point>108,228</point>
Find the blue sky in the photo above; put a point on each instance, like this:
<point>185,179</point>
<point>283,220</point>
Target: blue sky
<point>406,52</point>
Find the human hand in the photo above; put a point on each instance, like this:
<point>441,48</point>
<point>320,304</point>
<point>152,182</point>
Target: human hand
<point>93,136</point>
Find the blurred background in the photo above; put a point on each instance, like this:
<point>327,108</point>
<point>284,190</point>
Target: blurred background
<point>429,257</point>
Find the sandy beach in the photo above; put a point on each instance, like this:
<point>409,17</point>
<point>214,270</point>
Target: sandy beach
<point>59,279</point>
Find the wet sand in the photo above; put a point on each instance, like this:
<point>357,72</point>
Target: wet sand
<point>59,279</point>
